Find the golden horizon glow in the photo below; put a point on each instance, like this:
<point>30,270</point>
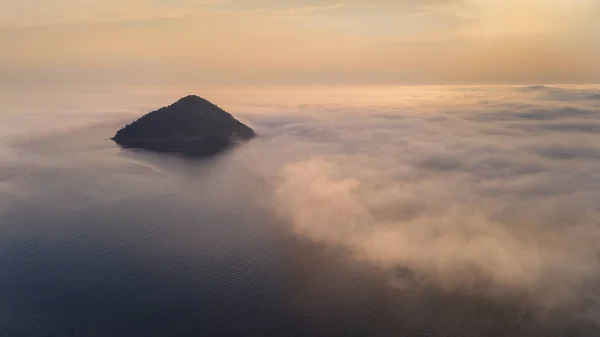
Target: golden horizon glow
<point>300,41</point>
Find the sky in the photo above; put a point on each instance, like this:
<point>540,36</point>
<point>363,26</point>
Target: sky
<point>252,42</point>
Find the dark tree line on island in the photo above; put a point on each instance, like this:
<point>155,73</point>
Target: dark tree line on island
<point>192,126</point>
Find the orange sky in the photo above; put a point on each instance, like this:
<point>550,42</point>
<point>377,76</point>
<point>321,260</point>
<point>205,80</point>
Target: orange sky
<point>299,41</point>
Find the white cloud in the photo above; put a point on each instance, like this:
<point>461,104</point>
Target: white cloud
<point>490,189</point>
<point>493,186</point>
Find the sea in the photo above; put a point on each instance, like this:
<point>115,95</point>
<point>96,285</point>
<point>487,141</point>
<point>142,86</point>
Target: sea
<point>357,211</point>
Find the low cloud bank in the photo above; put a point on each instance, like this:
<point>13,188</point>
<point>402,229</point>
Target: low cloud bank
<point>493,187</point>
<point>489,188</point>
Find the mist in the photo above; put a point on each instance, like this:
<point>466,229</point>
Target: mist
<point>493,190</point>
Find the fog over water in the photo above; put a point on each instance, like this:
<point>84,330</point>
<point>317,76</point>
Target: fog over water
<point>358,211</point>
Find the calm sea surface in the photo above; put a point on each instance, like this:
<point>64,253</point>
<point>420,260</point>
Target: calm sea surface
<point>100,241</point>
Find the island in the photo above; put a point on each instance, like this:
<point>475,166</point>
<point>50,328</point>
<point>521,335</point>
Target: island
<point>191,126</point>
